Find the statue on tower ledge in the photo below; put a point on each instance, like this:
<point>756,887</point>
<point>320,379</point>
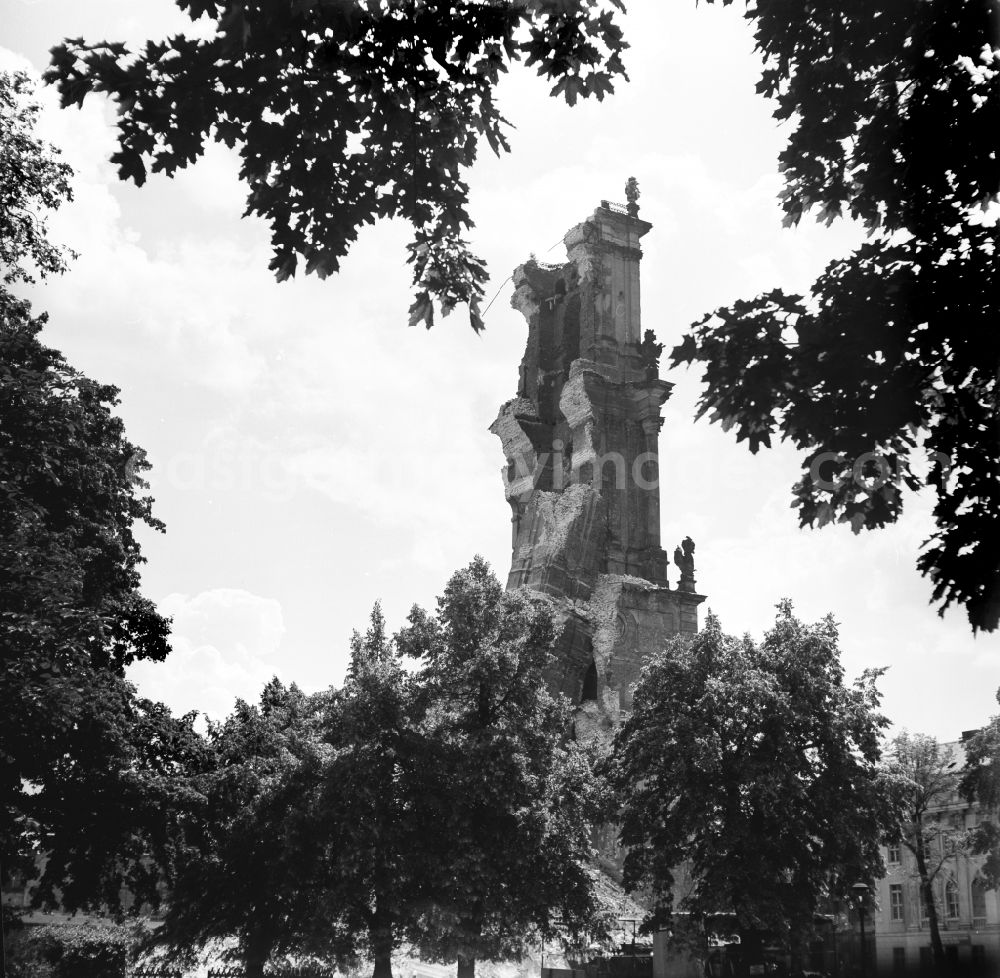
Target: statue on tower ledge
<point>632,196</point>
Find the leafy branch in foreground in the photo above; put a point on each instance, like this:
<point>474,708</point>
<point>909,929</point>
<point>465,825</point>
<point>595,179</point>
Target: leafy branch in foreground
<point>347,111</point>
<point>888,375</point>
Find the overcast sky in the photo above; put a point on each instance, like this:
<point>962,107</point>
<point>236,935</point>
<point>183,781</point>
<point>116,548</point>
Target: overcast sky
<point>311,454</point>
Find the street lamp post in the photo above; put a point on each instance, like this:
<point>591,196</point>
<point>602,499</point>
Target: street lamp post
<point>860,891</point>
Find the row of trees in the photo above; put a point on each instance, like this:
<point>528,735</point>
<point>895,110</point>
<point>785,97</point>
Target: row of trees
<point>446,808</point>
<point>443,806</point>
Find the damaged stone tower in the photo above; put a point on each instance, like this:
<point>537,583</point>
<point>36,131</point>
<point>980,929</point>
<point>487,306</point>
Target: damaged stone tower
<point>582,473</point>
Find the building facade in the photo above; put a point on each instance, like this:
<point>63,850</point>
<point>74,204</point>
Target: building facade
<point>968,911</point>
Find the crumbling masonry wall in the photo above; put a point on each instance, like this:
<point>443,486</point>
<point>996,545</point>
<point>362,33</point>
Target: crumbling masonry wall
<point>580,441</point>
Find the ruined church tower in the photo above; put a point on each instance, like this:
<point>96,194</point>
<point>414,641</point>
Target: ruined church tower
<point>582,466</point>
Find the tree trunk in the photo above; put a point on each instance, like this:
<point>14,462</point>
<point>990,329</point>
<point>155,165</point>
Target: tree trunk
<point>255,955</point>
<point>927,889</point>
<point>383,960</point>
<point>751,945</point>
<point>466,967</point>
<point>381,942</point>
<point>937,948</point>
<point>254,966</point>
<point>799,947</point>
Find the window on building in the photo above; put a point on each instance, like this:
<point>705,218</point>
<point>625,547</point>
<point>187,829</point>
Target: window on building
<point>894,855</point>
<point>589,684</point>
<point>978,901</point>
<point>895,901</point>
<point>926,959</point>
<point>951,907</point>
<point>899,960</point>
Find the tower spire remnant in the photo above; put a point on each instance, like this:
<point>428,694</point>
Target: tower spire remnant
<point>582,470</point>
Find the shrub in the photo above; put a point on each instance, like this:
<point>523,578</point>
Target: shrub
<point>74,950</point>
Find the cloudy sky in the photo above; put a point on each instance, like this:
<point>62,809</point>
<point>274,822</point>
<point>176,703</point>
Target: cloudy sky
<point>311,454</point>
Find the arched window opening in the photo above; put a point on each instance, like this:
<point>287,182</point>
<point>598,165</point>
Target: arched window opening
<point>978,899</point>
<point>590,684</point>
<point>951,908</point>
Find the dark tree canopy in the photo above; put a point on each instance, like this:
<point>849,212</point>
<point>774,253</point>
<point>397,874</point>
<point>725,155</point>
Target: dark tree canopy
<point>299,829</point>
<point>85,765</point>
<point>245,860</point>
<point>442,807</point>
<point>71,614</point>
<point>107,813</point>
<point>886,376</point>
<point>751,771</point>
<point>375,819</point>
<point>347,111</point>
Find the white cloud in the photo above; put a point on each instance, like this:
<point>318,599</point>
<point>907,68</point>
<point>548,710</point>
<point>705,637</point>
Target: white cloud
<point>213,182</point>
<point>224,643</point>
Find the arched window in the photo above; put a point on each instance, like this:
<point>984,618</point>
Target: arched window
<point>951,908</point>
<point>979,899</point>
<point>590,684</point>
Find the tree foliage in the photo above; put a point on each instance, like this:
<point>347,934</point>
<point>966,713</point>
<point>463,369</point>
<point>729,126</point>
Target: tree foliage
<point>927,779</point>
<point>33,181</point>
<point>980,783</point>
<point>347,111</point>
<point>442,807</point>
<point>886,375</point>
<point>750,772</point>
<point>297,833</point>
<point>517,796</point>
<point>373,821</point>
<point>104,821</point>
<point>245,864</point>
<point>74,950</point>
<point>86,766</point>
<point>71,614</point>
